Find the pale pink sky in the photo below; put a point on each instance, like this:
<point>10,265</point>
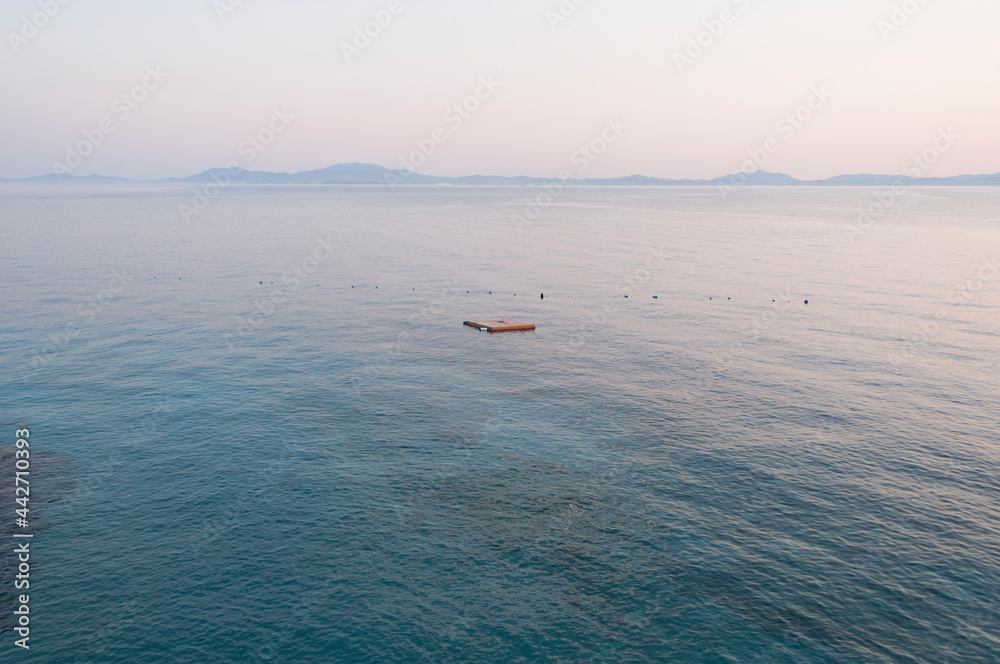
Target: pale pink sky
<point>560,81</point>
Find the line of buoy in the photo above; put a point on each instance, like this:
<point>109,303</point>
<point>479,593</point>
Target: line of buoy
<point>542,296</point>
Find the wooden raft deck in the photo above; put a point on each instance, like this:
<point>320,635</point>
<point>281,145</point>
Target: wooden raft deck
<point>500,325</point>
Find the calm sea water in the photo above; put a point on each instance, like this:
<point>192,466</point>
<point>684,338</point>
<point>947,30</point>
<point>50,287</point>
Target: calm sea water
<point>333,469</point>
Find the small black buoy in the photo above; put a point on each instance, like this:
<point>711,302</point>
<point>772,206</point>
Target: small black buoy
<point>543,296</point>
<point>807,301</point>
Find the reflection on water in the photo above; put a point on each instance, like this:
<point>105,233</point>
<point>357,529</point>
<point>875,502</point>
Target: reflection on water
<point>710,476</point>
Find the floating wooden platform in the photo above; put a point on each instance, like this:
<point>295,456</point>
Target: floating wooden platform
<point>500,325</point>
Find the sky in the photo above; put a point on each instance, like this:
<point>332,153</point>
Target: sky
<point>694,89</point>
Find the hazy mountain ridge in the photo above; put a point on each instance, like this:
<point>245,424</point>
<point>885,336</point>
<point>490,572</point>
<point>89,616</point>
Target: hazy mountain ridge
<point>373,174</point>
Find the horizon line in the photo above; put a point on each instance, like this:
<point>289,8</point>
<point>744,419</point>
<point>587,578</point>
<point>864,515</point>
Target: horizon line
<point>563,177</point>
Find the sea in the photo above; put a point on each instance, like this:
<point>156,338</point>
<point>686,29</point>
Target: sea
<point>752,426</point>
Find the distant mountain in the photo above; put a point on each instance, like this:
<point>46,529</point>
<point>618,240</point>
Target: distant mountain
<point>885,180</point>
<point>338,174</point>
<point>862,179</point>
<point>373,174</point>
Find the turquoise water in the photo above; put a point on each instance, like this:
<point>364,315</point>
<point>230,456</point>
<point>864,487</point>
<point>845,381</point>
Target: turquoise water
<point>333,469</point>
